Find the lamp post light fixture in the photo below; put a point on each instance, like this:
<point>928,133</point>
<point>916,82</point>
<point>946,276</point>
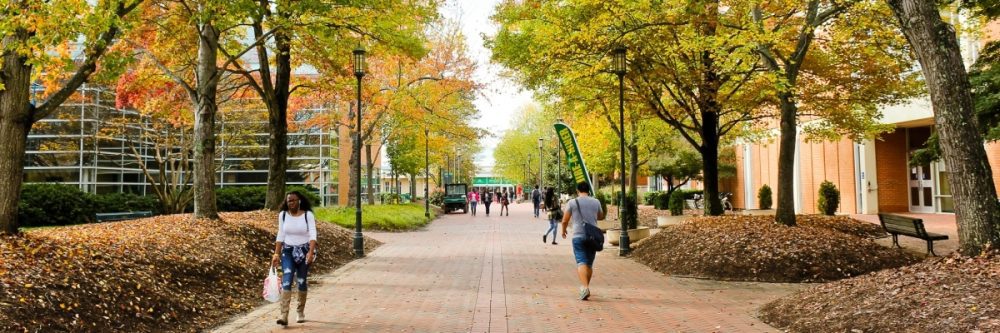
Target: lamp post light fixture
<point>427,175</point>
<point>359,72</point>
<point>559,182</point>
<point>618,67</point>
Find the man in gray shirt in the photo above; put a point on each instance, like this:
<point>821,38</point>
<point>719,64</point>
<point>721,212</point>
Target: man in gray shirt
<point>583,209</point>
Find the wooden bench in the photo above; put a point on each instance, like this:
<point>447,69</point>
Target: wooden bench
<point>897,225</point>
<point>104,217</point>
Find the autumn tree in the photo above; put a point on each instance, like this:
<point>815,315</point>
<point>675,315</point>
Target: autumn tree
<point>834,63</point>
<point>688,61</point>
<point>162,129</point>
<point>936,45</point>
<point>183,39</point>
<point>31,32</point>
<point>315,31</point>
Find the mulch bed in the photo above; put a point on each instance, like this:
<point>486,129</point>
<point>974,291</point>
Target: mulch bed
<point>951,294</point>
<point>755,248</point>
<point>159,274</point>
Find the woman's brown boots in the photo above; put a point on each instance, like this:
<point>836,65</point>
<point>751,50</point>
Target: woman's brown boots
<point>285,302</point>
<point>301,308</point>
<point>286,297</point>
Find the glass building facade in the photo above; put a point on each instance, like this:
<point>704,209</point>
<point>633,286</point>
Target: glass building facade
<point>90,143</point>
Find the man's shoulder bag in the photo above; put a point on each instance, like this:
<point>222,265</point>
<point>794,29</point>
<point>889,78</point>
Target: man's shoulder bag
<point>591,233</point>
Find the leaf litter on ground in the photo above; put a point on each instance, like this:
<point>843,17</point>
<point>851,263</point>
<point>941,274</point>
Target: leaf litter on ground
<point>165,273</point>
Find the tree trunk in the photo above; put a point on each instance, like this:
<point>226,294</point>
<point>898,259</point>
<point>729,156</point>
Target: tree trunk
<point>277,112</point>
<point>785,211</point>
<point>710,159</point>
<point>15,122</point>
<point>708,103</point>
<point>204,123</point>
<point>976,211</point>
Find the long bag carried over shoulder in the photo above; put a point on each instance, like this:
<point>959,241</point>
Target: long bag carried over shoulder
<point>591,233</point>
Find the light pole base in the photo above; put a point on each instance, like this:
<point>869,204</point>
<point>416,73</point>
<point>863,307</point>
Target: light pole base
<point>624,246</point>
<point>359,245</point>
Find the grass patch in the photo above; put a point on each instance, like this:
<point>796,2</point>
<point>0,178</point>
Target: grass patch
<point>378,217</point>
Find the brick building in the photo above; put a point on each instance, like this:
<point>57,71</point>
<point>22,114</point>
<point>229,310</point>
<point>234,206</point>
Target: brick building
<point>873,176</point>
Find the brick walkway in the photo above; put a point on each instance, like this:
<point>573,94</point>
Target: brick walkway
<point>491,274</point>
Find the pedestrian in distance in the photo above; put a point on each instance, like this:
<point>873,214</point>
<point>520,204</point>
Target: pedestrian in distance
<point>504,202</point>
<point>536,199</point>
<point>294,251</point>
<point>487,197</point>
<point>473,200</point>
<point>554,210</point>
<point>583,209</point>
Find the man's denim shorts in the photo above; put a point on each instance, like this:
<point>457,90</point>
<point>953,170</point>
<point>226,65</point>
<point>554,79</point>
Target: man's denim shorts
<point>584,256</point>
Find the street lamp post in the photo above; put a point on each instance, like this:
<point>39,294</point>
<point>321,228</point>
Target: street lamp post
<point>541,167</point>
<point>618,66</point>
<point>427,175</point>
<point>559,182</point>
<point>359,72</point>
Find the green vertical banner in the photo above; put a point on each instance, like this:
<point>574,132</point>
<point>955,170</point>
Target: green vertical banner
<point>574,160</point>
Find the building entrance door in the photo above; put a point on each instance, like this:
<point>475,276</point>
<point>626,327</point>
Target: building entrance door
<point>921,177</point>
<point>921,189</point>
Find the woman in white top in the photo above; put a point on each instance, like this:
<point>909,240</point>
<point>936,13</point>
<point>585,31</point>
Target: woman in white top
<point>294,250</point>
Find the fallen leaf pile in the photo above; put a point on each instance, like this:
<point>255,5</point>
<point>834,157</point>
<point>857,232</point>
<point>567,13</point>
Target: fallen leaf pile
<point>164,274</point>
<point>950,294</point>
<point>755,248</point>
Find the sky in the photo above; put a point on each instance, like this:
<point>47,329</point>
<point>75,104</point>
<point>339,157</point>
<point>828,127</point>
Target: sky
<point>501,98</point>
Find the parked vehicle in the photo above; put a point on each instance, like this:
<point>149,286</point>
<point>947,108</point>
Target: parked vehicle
<point>455,198</point>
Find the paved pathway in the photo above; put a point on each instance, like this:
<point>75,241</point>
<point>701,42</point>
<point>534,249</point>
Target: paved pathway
<point>493,274</point>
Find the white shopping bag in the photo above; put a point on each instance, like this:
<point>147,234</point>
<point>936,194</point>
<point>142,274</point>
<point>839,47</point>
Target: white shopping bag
<point>272,286</point>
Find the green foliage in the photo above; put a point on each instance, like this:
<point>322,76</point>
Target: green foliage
<point>984,76</point>
<point>124,202</point>
<point>650,198</point>
<point>764,197</point>
<point>390,198</point>
<point>676,203</point>
<point>829,198</point>
<point>247,198</point>
<point>53,204</point>
<point>437,198</point>
<point>240,198</point>
<point>663,200</point>
<point>377,217</point>
<point>683,164</point>
<point>603,198</point>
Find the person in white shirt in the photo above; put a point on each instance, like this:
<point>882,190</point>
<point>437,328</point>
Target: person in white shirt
<point>294,250</point>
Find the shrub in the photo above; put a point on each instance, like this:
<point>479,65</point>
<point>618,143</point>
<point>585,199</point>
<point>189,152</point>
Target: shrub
<point>829,198</point>
<point>603,198</point>
<point>308,191</point>
<point>631,210</point>
<point>650,198</point>
<point>240,198</point>
<point>124,202</point>
<point>689,194</point>
<point>677,202</point>
<point>662,200</point>
<point>437,198</point>
<point>53,204</point>
<point>764,197</point>
<point>391,198</point>
<point>247,198</point>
